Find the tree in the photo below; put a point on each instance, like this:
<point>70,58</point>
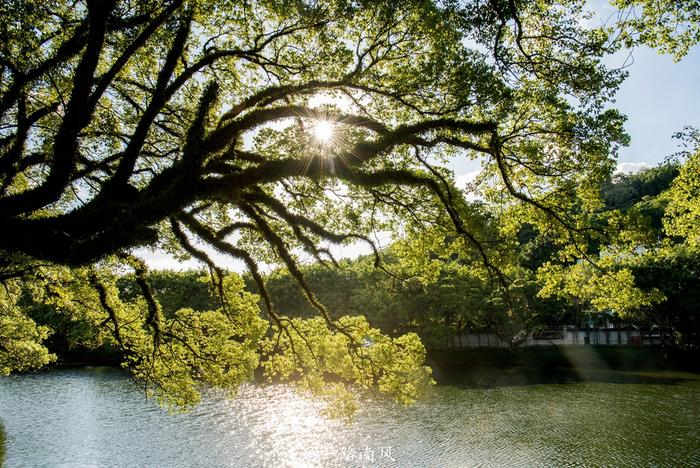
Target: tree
<point>647,268</point>
<point>625,190</point>
<point>177,123</point>
<point>674,270</point>
<point>105,150</point>
<point>173,290</point>
<point>670,26</point>
<point>20,338</point>
<point>683,212</point>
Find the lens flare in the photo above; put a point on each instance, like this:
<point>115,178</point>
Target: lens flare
<point>323,131</point>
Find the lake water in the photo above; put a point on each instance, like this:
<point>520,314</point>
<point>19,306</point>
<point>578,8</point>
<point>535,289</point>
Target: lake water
<point>97,417</point>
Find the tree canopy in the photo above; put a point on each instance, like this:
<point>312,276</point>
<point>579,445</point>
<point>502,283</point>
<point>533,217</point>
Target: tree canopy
<point>670,26</point>
<point>126,125</point>
<point>182,123</point>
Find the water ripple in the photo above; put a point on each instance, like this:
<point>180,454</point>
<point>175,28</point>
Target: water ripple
<point>97,417</point>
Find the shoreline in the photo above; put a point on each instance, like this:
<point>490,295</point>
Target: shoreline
<point>451,365</point>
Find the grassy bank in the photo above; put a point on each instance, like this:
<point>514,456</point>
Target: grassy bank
<point>608,357</point>
<point>477,363</point>
<point>2,445</point>
<point>504,366</point>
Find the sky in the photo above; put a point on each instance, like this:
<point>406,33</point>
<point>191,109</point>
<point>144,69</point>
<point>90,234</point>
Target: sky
<point>659,98</point>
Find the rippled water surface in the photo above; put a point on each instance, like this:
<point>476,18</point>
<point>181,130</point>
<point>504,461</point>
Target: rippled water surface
<point>96,417</point>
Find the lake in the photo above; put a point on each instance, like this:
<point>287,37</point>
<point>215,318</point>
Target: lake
<point>98,417</point>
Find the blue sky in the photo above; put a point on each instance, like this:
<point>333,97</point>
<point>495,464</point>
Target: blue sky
<point>659,97</point>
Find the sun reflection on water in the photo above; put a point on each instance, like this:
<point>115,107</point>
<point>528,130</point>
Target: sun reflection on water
<point>285,429</point>
<point>89,418</point>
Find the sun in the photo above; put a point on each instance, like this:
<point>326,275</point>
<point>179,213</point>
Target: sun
<point>323,131</point>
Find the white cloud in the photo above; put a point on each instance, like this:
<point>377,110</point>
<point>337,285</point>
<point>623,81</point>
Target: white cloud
<point>631,167</point>
<point>462,182</point>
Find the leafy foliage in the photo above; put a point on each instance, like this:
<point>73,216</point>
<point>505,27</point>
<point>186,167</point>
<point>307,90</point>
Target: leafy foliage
<point>319,358</point>
<point>182,123</point>
<point>218,348</point>
<point>674,270</point>
<point>20,338</point>
<point>174,290</point>
<point>647,267</point>
<point>670,26</point>
<point>683,212</point>
<point>625,190</point>
<point>607,290</point>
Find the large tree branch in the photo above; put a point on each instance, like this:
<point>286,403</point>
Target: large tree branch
<point>75,118</point>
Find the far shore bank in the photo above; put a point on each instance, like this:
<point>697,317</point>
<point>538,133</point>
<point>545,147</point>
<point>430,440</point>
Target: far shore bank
<point>494,366</point>
<point>497,365</point>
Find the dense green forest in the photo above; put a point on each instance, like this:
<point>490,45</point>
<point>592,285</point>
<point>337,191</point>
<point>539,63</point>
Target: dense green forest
<point>439,297</point>
<point>265,129</point>
<point>402,296</point>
